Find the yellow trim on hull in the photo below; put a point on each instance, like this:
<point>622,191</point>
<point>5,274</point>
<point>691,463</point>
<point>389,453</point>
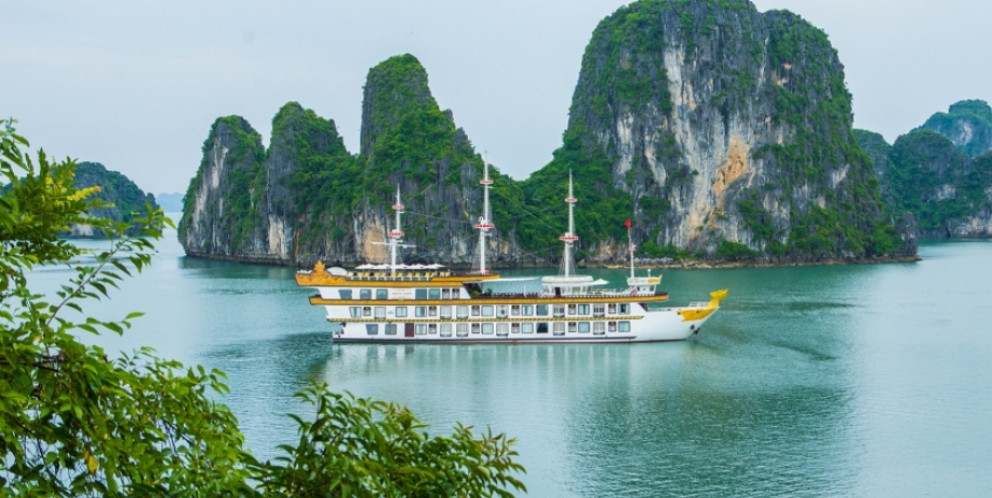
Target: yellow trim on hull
<point>693,314</point>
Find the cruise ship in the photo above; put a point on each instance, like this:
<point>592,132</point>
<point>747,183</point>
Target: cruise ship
<point>395,302</point>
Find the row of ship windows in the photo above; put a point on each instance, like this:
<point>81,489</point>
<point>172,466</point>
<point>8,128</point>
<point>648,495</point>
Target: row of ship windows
<point>418,293</point>
<point>499,311</point>
<point>504,329</point>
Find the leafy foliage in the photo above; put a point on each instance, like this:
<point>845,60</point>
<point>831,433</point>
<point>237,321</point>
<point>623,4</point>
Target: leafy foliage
<point>74,422</point>
<point>360,447</point>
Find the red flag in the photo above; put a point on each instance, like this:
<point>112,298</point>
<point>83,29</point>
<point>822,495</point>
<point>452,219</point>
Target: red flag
<point>627,223</point>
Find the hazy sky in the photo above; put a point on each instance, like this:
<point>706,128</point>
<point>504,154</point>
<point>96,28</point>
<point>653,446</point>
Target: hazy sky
<point>136,84</point>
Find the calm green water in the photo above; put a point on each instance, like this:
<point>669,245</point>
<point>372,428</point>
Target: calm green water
<point>821,381</point>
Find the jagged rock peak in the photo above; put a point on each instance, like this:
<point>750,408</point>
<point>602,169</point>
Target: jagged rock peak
<point>220,196</point>
<point>394,88</point>
<point>968,124</point>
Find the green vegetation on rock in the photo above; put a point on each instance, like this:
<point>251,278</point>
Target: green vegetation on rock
<point>125,199</point>
<point>924,173</point>
<point>235,144</point>
<point>968,124</point>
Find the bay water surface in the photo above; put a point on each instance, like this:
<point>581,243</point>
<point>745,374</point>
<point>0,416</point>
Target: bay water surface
<point>863,380</point>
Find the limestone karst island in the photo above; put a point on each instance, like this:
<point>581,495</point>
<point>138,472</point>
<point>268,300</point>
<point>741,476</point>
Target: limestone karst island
<point>724,133</point>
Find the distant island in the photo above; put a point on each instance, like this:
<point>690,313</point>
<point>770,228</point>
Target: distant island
<point>170,203</point>
<point>724,134</point>
<point>940,172</point>
<point>123,197</point>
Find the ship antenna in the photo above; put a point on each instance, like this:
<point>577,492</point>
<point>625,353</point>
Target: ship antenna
<point>485,221</point>
<point>396,234</point>
<point>570,237</point>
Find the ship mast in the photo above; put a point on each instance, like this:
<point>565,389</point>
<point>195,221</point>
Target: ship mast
<point>485,223</point>
<point>396,234</point>
<point>570,237</point>
<point>630,243</point>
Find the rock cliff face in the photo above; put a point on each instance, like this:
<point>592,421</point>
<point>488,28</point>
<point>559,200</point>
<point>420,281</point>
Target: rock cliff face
<point>125,198</point>
<point>930,177</point>
<point>723,132</point>
<point>968,124</point>
<point>307,198</point>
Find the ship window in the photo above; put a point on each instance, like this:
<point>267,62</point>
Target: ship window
<point>445,311</point>
<point>613,326</point>
<point>432,311</point>
<point>344,293</point>
<point>476,310</point>
<point>502,329</point>
<point>434,293</point>
<point>382,293</point>
<point>572,309</point>
<point>598,328</point>
<point>390,329</point>
<point>367,311</point>
<point>583,327</point>
<point>515,310</point>
<point>445,330</point>
<point>501,311</point>
<point>421,311</point>
<point>372,328</point>
<point>432,328</point>
<point>421,329</point>
<point>380,312</point>
<point>365,293</point>
<point>401,312</point>
<point>559,310</point>
<point>515,328</point>
<point>487,310</point>
<point>462,329</point>
<point>487,328</point>
<point>527,328</point>
<point>598,309</point>
<point>455,294</point>
<point>445,293</point>
<point>527,310</point>
<point>624,326</point>
<point>476,328</point>
<point>542,328</point>
<point>624,309</point>
<point>463,312</point>
<point>559,328</point>
<point>583,309</point>
<point>571,327</point>
<point>542,310</point>
<point>356,311</point>
<point>613,309</point>
<point>420,293</point>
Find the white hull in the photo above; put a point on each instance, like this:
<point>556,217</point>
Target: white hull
<point>661,325</point>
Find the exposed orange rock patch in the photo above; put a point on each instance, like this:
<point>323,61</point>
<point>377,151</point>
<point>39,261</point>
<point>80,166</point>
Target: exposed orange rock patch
<point>732,170</point>
<point>374,236</point>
